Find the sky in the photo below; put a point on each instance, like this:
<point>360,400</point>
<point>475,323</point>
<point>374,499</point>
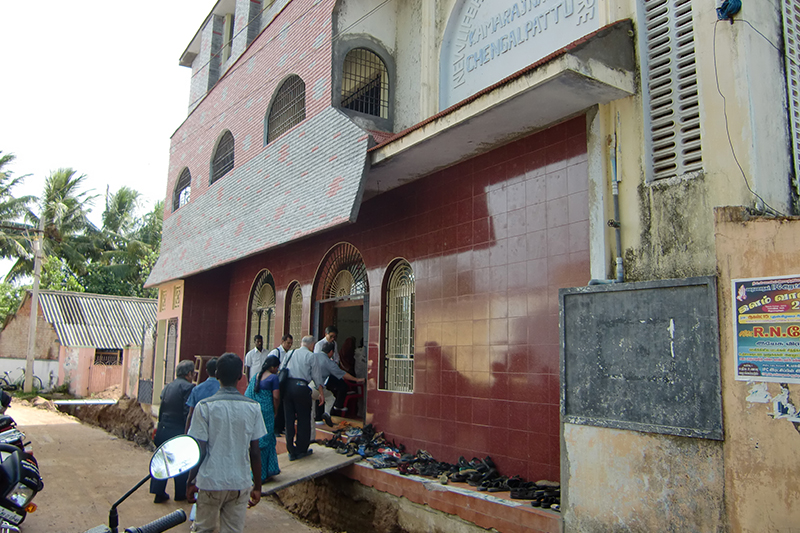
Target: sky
<point>95,86</point>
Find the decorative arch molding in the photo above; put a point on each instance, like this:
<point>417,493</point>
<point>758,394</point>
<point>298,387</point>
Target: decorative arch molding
<point>341,272</point>
<point>261,309</point>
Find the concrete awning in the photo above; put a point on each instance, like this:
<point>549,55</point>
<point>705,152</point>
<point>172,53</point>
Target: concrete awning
<point>322,461</point>
<point>597,69</point>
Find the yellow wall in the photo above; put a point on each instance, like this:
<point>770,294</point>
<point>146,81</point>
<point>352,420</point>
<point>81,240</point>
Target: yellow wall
<point>762,489</point>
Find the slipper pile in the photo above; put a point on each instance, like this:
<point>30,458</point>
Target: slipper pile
<point>479,473</point>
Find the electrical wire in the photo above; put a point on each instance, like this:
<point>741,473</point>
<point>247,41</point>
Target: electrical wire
<point>774,211</point>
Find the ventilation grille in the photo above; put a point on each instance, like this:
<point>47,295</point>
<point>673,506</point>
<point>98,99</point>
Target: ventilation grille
<point>671,80</point>
<point>791,39</point>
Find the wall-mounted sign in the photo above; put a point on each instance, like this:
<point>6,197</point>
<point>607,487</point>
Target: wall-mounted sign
<point>766,314</point>
<point>488,40</point>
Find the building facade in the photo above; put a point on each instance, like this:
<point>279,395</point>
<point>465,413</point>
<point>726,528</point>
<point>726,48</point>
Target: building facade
<point>427,175</point>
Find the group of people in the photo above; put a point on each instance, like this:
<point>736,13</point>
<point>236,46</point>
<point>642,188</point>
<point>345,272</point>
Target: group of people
<point>237,433</point>
<point>312,368</point>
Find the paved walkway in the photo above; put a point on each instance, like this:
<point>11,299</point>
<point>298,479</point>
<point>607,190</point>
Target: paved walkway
<point>85,470</point>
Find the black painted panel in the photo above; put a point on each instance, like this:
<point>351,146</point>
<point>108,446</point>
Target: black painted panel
<point>642,356</point>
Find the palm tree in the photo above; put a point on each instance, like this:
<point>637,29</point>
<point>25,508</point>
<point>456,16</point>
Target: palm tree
<point>12,212</point>
<point>68,233</point>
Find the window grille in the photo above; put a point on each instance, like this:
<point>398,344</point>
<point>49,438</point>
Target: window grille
<point>183,190</point>
<point>791,39</point>
<point>399,364</point>
<point>262,309</point>
<point>296,313</point>
<point>671,99</point>
<point>223,157</point>
<point>288,109</point>
<point>108,357</point>
<point>365,83</point>
<point>172,350</point>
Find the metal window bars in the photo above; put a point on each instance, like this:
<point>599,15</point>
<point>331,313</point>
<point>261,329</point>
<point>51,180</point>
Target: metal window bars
<point>365,83</point>
<point>399,362</point>
<point>223,157</point>
<point>288,109</point>
<point>183,190</point>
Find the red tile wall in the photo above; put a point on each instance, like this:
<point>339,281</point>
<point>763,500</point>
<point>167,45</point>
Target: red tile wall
<point>491,241</point>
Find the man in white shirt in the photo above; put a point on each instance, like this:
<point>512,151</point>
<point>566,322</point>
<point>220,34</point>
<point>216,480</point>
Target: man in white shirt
<point>283,348</point>
<point>227,426</point>
<point>255,357</point>
<point>280,352</point>
<point>303,368</point>
<point>331,332</point>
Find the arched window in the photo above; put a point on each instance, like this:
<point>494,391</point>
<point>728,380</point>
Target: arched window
<point>182,190</point>
<point>294,312</point>
<point>262,310</point>
<point>222,162</point>
<point>365,83</point>
<point>398,363</point>
<point>288,108</point>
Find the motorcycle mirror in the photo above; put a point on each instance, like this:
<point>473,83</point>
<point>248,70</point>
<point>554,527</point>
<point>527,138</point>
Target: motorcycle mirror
<point>176,456</point>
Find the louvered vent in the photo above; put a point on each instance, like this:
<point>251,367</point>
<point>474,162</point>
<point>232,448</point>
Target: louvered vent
<point>791,39</point>
<point>671,99</point>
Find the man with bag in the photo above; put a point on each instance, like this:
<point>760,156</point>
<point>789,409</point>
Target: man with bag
<point>280,352</point>
<point>296,372</point>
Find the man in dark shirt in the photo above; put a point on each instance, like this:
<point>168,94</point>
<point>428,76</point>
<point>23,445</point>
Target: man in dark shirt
<point>172,415</point>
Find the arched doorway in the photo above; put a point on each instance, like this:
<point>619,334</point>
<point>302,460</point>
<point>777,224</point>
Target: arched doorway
<point>341,298</point>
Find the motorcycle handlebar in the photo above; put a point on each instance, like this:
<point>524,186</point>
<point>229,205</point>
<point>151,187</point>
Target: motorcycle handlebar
<point>162,524</point>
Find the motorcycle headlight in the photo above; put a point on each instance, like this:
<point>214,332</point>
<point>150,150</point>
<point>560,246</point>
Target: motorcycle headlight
<point>21,495</point>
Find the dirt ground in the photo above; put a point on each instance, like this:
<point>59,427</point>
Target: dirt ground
<point>85,470</point>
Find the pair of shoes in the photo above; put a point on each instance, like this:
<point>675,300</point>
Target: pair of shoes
<point>161,498</point>
<point>327,418</point>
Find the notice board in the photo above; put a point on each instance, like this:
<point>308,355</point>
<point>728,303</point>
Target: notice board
<point>642,356</point>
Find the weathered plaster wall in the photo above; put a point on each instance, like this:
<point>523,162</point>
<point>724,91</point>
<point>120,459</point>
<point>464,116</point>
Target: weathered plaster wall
<point>667,226</point>
<point>762,490</point>
<point>618,480</point>
<point>14,337</point>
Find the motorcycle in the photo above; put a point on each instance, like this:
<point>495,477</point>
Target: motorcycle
<point>176,456</point>
<point>20,479</point>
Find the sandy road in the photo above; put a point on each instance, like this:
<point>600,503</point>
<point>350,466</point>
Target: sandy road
<point>85,470</point>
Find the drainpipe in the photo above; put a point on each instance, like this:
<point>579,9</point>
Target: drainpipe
<point>614,223</point>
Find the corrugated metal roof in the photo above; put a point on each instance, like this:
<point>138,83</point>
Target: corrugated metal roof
<point>97,320</point>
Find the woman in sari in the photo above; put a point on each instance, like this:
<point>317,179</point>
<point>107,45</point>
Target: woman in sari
<point>264,388</point>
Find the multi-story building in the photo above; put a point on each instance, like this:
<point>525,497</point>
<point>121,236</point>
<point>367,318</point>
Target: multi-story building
<point>426,175</point>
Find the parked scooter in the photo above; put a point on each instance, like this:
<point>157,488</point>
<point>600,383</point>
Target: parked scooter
<point>176,456</point>
<point>19,477</point>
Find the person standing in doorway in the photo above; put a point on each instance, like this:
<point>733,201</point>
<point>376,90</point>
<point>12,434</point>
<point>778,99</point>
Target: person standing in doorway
<point>280,352</point>
<point>227,426</point>
<point>254,359</point>
<point>172,415</point>
<point>331,332</point>
<point>303,368</point>
<point>334,378</point>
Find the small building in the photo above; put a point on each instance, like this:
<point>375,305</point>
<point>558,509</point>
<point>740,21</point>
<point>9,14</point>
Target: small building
<point>82,339</point>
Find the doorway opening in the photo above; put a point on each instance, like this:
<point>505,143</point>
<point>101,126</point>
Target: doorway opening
<point>341,299</point>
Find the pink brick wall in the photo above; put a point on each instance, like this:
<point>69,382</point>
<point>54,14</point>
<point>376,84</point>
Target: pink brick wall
<point>297,42</point>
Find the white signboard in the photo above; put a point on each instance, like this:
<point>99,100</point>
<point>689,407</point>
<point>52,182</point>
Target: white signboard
<point>488,40</point>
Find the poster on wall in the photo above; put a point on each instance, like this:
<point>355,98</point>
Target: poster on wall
<point>767,327</point>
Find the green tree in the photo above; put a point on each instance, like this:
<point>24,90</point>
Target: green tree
<point>12,212</point>
<point>68,233</point>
